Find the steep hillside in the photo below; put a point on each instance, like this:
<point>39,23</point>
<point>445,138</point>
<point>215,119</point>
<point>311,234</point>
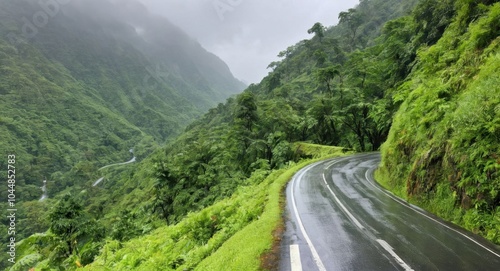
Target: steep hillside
<point>442,151</point>
<point>84,82</point>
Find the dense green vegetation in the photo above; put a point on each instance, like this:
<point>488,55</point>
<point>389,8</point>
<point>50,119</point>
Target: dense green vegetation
<point>248,217</point>
<point>82,88</point>
<point>442,151</point>
<point>422,75</point>
<point>85,89</point>
<point>314,94</point>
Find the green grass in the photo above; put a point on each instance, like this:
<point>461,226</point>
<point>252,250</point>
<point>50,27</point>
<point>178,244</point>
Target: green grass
<point>318,151</point>
<point>244,250</point>
<point>232,234</point>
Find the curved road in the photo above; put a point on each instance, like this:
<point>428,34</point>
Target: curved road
<point>340,219</point>
<point>133,160</point>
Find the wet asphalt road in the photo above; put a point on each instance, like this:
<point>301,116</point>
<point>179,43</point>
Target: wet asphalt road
<point>340,219</point>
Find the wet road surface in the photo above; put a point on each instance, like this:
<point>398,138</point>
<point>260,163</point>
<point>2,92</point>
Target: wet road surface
<point>340,219</point>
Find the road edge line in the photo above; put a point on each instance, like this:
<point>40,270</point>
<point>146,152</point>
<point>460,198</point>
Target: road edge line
<point>398,200</point>
<point>315,254</point>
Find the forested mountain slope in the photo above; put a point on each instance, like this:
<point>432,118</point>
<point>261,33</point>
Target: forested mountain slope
<point>84,81</point>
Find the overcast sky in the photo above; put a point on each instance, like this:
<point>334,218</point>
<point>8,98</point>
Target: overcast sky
<point>248,34</point>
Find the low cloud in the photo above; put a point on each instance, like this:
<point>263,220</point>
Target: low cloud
<point>248,34</point>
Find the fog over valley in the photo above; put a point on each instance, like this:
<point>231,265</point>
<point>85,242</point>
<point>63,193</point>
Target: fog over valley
<point>249,34</point>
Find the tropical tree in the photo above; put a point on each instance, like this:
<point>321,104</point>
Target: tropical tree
<point>326,75</point>
<point>353,19</point>
<point>246,110</point>
<point>72,225</point>
<point>318,29</point>
<point>163,191</point>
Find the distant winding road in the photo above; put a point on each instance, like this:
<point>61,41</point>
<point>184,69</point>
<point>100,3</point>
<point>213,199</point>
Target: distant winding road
<point>133,160</point>
<point>340,219</point>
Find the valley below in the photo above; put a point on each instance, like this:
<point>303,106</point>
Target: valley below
<point>372,144</point>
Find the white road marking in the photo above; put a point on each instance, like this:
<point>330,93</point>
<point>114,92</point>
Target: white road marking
<point>349,214</point>
<point>315,254</point>
<point>294,249</point>
<point>335,162</point>
<point>389,249</point>
<point>398,200</point>
<point>295,258</point>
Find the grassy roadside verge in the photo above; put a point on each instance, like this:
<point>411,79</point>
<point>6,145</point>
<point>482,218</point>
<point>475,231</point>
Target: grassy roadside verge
<point>255,246</point>
<point>238,233</point>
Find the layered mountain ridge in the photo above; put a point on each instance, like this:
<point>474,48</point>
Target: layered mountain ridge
<point>84,81</point>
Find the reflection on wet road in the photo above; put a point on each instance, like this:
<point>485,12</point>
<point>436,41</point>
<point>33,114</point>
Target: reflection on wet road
<point>340,219</point>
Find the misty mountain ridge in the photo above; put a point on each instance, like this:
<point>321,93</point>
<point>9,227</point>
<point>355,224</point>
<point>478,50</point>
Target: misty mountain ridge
<point>170,51</point>
<point>84,81</point>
